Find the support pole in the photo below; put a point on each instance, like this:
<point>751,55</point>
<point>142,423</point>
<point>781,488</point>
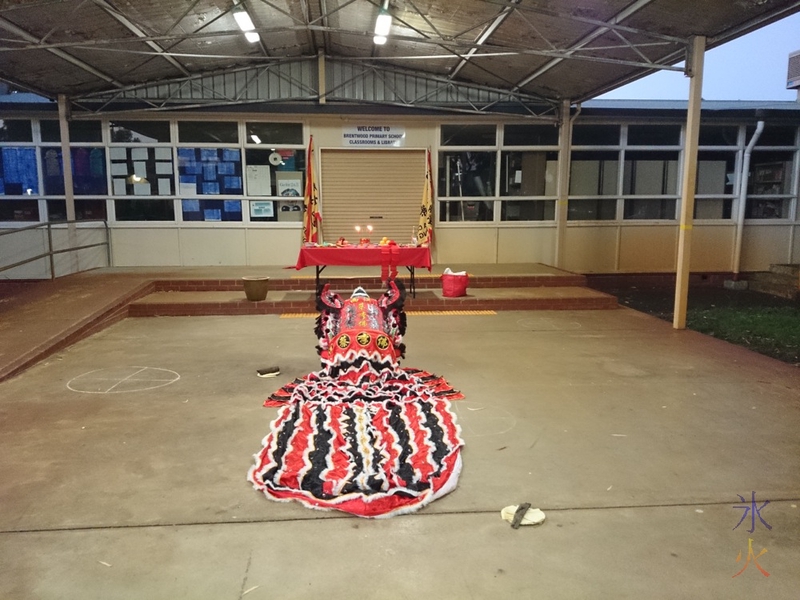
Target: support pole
<point>322,84</point>
<point>688,180</point>
<point>564,153</point>
<point>69,194</point>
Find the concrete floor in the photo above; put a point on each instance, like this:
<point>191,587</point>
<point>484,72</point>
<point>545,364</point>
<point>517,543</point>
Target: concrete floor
<point>124,460</point>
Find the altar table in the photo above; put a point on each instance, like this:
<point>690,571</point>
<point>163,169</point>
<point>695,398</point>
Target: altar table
<point>388,257</point>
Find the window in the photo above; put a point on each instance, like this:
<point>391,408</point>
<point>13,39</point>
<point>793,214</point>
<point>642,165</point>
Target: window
<point>19,210</point>
<point>769,186</point>
<point>528,210</point>
<point>530,135</point>
<point>88,171</point>
<point>654,135</point>
<point>18,172</point>
<point>211,210</point>
<point>208,132</point>
<point>714,191</point>
<point>595,209</point>
<point>141,171</point>
<point>595,135</point>
<point>650,174</point>
<point>15,130</point>
<point>144,210</point>
<point>278,172</point>
<point>209,171</point>
<point>140,132</point>
<point>719,135</point>
<point>469,135</point>
<point>466,174</point>
<point>593,173</point>
<point>79,131</point>
<point>84,210</point>
<point>466,210</point>
<point>274,133</point>
<point>774,135</point>
<point>528,173</point>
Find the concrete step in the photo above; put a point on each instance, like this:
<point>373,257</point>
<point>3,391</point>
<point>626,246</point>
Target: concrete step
<point>423,281</point>
<point>287,302</point>
<point>791,270</point>
<point>776,284</point>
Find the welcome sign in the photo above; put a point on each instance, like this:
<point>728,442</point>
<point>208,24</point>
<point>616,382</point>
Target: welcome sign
<point>387,136</point>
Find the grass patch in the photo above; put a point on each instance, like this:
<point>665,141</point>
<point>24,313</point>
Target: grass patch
<point>763,323</point>
<point>773,331</point>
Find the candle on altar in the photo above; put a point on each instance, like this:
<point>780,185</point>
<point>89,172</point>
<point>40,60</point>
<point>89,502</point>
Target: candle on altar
<point>369,228</point>
<point>358,228</point>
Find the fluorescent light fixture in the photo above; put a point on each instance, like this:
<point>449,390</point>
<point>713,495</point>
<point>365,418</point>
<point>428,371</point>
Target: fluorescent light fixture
<point>252,36</point>
<point>255,138</point>
<point>383,24</point>
<point>243,19</point>
<point>379,40</point>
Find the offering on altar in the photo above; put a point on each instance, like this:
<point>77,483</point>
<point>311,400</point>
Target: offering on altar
<point>341,242</point>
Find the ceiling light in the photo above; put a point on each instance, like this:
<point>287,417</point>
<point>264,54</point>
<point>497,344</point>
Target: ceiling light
<point>379,40</point>
<point>243,19</point>
<point>383,24</point>
<point>255,138</point>
<point>252,36</point>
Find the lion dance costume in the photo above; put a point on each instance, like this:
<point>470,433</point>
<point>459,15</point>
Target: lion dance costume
<point>362,435</point>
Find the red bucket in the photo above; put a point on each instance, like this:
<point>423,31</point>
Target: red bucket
<point>454,285</point>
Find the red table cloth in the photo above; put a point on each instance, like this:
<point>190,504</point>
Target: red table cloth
<point>362,256</point>
<point>388,257</point>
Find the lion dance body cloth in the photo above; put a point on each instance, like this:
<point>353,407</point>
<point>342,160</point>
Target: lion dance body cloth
<point>362,435</point>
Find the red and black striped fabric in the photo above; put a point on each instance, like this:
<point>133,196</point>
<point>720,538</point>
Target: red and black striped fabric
<point>362,435</point>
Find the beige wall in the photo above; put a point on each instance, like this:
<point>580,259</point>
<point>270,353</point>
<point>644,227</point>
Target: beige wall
<point>465,245</point>
<point>272,246</point>
<point>145,247</point>
<point>712,247</point>
<point>763,245</point>
<point>590,249</point>
<point>204,246</point>
<point>648,249</point>
<point>526,245</point>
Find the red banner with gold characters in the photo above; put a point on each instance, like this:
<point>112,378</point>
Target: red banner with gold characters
<point>425,228</point>
<point>312,217</point>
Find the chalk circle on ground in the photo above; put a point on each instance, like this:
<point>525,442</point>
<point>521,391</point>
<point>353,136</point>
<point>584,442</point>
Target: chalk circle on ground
<point>121,380</point>
<point>479,419</point>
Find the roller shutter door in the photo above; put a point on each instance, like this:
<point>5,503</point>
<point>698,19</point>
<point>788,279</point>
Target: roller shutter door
<point>382,188</point>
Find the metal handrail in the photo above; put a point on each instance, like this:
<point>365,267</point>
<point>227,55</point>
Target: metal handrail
<point>50,253</point>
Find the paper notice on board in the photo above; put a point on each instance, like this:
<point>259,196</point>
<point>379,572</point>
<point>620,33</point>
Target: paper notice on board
<point>187,188</point>
<point>119,186</point>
